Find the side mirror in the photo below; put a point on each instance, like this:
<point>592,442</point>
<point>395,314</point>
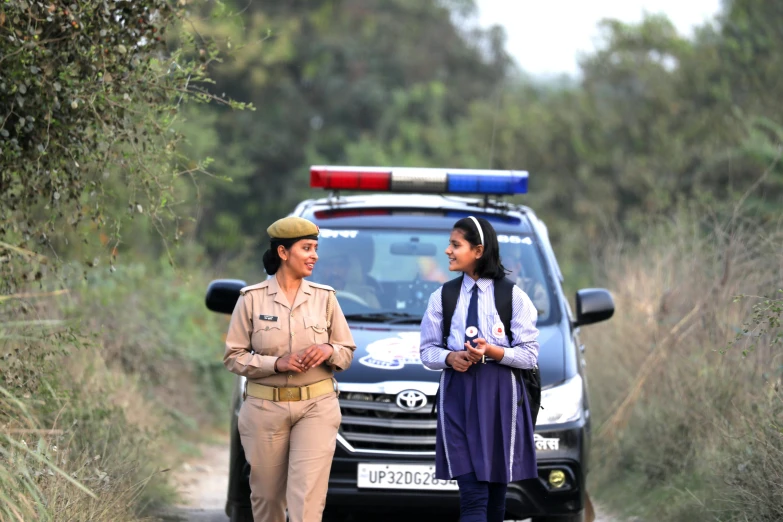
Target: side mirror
<point>593,305</point>
<point>222,294</point>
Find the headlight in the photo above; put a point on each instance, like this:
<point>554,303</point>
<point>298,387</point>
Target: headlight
<point>562,403</point>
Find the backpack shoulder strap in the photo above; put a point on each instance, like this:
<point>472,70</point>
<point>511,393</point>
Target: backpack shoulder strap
<point>529,380</point>
<point>504,293</point>
<point>449,296</point>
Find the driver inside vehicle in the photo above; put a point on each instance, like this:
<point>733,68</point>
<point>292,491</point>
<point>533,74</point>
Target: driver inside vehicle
<point>344,273</point>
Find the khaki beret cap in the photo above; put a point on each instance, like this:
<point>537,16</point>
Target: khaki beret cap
<point>291,228</point>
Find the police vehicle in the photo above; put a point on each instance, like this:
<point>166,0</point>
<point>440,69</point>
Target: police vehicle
<point>383,252</point>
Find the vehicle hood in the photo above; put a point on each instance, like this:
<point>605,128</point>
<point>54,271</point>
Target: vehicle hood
<point>391,352</point>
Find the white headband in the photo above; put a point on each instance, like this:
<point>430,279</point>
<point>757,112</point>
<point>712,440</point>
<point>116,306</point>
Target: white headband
<point>478,226</point>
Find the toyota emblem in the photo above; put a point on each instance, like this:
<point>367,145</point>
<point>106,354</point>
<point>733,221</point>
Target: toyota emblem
<point>411,400</point>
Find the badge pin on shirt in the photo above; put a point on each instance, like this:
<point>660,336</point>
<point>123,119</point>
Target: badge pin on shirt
<point>498,330</point>
<point>472,331</point>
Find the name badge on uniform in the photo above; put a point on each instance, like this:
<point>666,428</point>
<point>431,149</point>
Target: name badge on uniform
<point>268,317</point>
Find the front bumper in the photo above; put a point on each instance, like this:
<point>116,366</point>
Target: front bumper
<point>535,497</point>
<point>529,498</point>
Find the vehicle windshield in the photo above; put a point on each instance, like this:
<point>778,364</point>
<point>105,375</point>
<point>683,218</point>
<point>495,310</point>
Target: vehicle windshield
<point>388,275</point>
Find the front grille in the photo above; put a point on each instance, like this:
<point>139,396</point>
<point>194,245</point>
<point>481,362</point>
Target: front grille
<point>373,421</point>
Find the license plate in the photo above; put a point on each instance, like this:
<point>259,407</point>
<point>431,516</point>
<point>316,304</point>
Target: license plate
<point>401,476</point>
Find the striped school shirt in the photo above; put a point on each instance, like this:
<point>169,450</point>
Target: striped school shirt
<point>523,352</point>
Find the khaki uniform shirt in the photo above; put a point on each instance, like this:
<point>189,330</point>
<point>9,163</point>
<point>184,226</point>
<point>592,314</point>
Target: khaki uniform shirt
<point>264,326</point>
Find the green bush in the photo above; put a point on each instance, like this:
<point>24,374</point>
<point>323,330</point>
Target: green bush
<point>153,323</point>
<point>102,373</point>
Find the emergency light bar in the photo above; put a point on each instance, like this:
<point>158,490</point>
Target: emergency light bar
<point>421,180</point>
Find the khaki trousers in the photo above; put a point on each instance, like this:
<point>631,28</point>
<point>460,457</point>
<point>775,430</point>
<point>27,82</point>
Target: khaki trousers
<point>289,446</point>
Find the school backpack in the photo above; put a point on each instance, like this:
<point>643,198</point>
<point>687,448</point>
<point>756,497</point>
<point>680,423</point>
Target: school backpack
<point>504,289</point>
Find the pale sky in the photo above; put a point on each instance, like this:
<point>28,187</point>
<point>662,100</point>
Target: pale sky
<point>545,36</point>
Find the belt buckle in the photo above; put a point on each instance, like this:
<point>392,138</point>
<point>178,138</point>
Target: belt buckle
<point>289,394</point>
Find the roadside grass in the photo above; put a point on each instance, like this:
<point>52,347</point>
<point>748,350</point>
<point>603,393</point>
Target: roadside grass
<point>106,388</point>
<point>686,379</point>
<point>154,324</point>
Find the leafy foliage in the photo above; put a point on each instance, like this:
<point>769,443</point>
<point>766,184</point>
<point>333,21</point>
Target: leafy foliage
<point>763,326</point>
<point>323,75</point>
<point>89,93</point>
<point>655,119</point>
<point>91,103</point>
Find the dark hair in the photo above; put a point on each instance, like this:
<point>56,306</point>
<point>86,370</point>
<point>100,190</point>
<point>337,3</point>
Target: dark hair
<point>488,265</point>
<point>272,258</point>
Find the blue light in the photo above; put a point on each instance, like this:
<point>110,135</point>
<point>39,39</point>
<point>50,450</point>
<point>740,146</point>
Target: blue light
<point>510,182</point>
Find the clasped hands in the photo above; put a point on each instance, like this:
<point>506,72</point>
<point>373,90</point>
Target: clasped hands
<point>462,360</point>
<point>300,362</point>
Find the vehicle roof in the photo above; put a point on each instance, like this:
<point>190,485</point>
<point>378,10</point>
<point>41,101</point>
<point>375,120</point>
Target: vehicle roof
<point>409,205</point>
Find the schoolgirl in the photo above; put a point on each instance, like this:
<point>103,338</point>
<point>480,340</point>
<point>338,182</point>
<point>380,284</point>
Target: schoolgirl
<point>484,429</point>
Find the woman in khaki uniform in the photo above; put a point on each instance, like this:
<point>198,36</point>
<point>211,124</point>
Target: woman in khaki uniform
<point>288,336</point>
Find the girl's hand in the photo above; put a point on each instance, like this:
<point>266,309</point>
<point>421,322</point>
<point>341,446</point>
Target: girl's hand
<point>314,355</point>
<point>459,361</point>
<point>477,352</point>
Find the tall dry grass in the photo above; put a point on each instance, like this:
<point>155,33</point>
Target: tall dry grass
<point>51,475</point>
<point>21,465</point>
<point>68,449</point>
<point>685,383</point>
<point>101,388</point>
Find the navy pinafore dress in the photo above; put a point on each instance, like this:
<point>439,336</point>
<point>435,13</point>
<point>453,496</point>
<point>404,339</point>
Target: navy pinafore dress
<point>481,427</point>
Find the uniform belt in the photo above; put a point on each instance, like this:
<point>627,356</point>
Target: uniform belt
<point>294,393</point>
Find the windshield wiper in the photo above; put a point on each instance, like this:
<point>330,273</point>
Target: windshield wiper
<point>386,317</point>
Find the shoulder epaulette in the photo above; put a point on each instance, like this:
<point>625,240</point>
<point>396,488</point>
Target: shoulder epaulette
<point>322,287</point>
<point>254,287</point>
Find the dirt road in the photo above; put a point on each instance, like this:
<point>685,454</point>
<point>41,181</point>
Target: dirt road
<point>203,483</point>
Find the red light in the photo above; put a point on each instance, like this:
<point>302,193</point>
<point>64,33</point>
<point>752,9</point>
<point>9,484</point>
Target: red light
<point>350,180</point>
